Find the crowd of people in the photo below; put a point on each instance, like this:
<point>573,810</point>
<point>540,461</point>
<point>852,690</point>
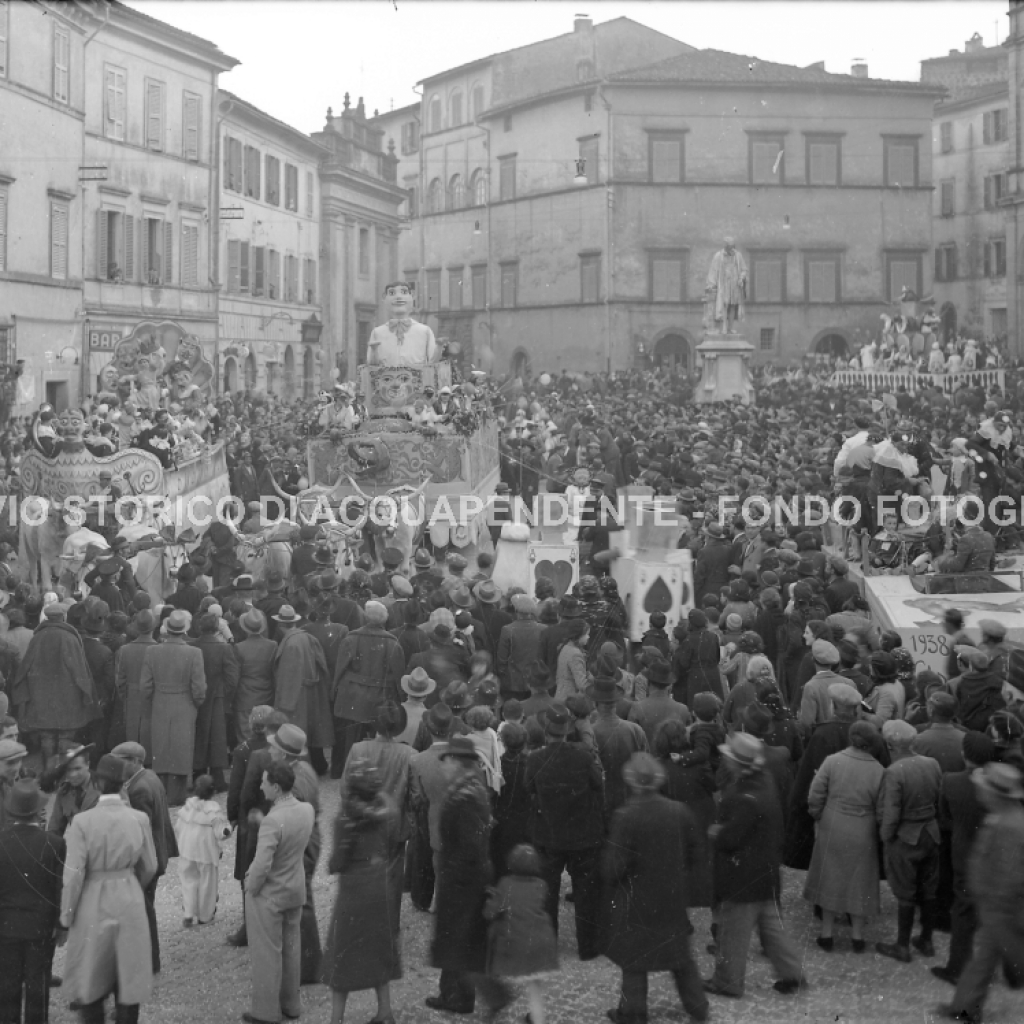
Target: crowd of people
<point>486,742</point>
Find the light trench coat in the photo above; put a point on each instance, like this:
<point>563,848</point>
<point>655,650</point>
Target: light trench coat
<point>110,857</point>
<point>173,683</point>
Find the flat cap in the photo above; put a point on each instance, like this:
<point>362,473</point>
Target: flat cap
<point>992,628</point>
<point>824,653</point>
<point>130,749</point>
<point>899,732</point>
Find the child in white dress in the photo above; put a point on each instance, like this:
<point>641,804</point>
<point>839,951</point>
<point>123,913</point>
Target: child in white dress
<point>202,825</point>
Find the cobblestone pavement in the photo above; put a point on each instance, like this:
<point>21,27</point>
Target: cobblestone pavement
<point>205,980</point>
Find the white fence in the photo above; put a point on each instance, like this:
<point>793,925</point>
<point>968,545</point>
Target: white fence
<point>883,380</point>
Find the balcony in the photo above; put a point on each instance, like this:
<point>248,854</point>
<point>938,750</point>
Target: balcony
<point>150,300</point>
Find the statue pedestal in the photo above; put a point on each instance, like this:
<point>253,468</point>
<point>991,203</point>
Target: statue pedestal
<point>725,374</point>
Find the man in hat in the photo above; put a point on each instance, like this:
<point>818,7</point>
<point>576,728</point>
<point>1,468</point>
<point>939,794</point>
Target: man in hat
<point>301,684</point>
<point>995,879</point>
<point>658,706</point>
<point>488,596</point>
<point>220,669</point>
<point>303,560</point>
<point>370,665</point>
<point>395,602</point>
<point>127,676</point>
<point>499,510</point>
<point>380,582</point>
<point>255,656</point>
<point>556,635</point>
<point>457,565</point>
<point>146,793</point>
<point>940,738</point>
<point>815,702</point>
<point>617,739</point>
<point>12,756</point>
<point>909,804</point>
<point>271,604</point>
<point>711,570</point>
<point>110,860</point>
<point>653,855</point>
<point>53,693</point>
<point>173,687</point>
<point>748,837</point>
<point>975,552</point>
<point>242,586</point>
<point>446,405</point>
<point>979,691</point>
<point>116,568</point>
<point>993,643</point>
<point>429,782</point>
<point>841,588</point>
<point>31,872</point>
<point>518,648</point>
<point>427,577</point>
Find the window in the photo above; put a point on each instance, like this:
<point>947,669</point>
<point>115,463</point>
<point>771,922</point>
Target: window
<point>666,157</point>
<point>410,137</point>
<point>995,258</point>
<point>590,277</point>
<point>947,198</point>
<point>309,193</point>
<point>364,328</point>
<point>455,288</point>
<point>3,200</point>
<point>309,281</point>
<point>191,124</point>
<point>945,262</point>
<point>272,186</point>
<point>479,102</point>
<point>435,193</point>
<point>58,240</point>
<point>154,115</point>
<point>584,70</point>
<point>479,287</point>
<point>115,246</point>
<point>291,283</point>
<point>157,251</point>
<point>999,322</point>
<point>768,276</point>
<point>233,176</point>
<point>456,193</point>
<point>259,270</point>
<point>767,339</point>
<point>364,252</point>
<point>273,273</point>
<point>506,177</point>
<point>902,270</point>
<point>590,156</point>
<point>588,102</point>
<point>667,271</point>
<point>61,62</point>
<point>766,159</point>
<point>946,137</point>
<point>291,187</point>
<point>433,290</point>
<point>824,160</point>
<point>506,124</point>
<point>413,208</point>
<point>509,284</point>
<point>190,255</point>
<point>900,160</point>
<point>995,189</point>
<point>436,112</point>
<point>4,6</point>
<point>253,160</point>
<point>821,277</point>
<point>455,109</point>
<point>478,187</point>
<point>994,126</point>
<point>115,85</point>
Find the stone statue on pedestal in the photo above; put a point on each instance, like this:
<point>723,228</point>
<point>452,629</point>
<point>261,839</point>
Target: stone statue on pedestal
<point>726,287</point>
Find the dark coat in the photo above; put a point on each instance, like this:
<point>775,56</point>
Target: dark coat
<point>649,862</point>
<point>521,939</point>
<point>748,849</point>
<point>146,793</point>
<point>239,764</point>
<point>494,621</point>
<point>513,809</point>
<point>54,688</point>
<point>694,786</point>
<point>695,665</point>
<point>221,670</point>
<point>711,570</point>
<point>369,668</point>
<point>460,933</point>
<point>518,649</point>
<point>31,880</point>
<point>962,814</point>
<point>100,659</point>
<point>551,642</point>
<point>567,785</point>
<point>127,673</point>
<point>979,697</point>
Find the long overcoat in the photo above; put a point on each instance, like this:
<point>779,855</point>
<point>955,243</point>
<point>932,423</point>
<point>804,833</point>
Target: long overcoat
<point>127,675</point>
<point>370,666</point>
<point>174,682</point>
<point>54,687</point>
<point>220,667</point>
<point>300,686</point>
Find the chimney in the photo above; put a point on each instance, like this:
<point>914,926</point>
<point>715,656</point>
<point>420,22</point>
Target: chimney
<point>859,69</point>
<point>582,23</point>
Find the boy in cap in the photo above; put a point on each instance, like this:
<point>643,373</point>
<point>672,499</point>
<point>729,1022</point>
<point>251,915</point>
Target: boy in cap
<point>815,703</point>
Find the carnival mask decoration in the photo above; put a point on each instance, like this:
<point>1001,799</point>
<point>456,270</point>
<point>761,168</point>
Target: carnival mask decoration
<point>394,386</point>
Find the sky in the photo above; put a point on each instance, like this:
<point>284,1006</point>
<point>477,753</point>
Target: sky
<point>301,56</point>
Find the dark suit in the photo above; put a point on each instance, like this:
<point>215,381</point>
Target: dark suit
<point>31,874</point>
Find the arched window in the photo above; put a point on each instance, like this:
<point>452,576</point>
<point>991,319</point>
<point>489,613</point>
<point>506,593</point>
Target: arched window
<point>456,193</point>
<point>289,374</point>
<point>230,375</point>
<point>435,113</point>
<point>455,109</point>
<point>435,202</point>
<point>250,372</point>
<point>478,101</point>
<point>478,187</point>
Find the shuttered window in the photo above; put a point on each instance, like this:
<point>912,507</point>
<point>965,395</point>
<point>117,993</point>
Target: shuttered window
<point>291,187</point>
<point>768,277</point>
<point>273,273</point>
<point>821,278</point>
<point>309,193</point>
<point>114,102</point>
<point>154,115</point>
<point>667,276</point>
<point>900,162</point>
<point>509,285</point>
<point>902,270</point>
<point>455,288</point>
<point>129,248</point>
<point>506,177</point>
<point>243,266</point>
<point>291,279</point>
<point>309,286</point>
<point>189,255</point>
<point>259,272</point>
<point>3,207</point>
<point>590,157</point>
<point>766,160</point>
<point>479,287</point>
<point>61,63</point>
<point>272,186</point>
<point>157,251</point>
<point>665,157</point>
<point>253,160</point>
<point>233,176</point>
<point>590,278</point>
<point>58,241</point>
<point>191,118</point>
<point>947,198</point>
<point>433,290</point>
<point>823,160</point>
<point>234,266</point>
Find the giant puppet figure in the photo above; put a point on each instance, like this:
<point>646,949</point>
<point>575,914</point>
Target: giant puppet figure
<point>402,341</point>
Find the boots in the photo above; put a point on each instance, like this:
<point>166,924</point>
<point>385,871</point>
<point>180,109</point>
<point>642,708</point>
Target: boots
<point>126,1014</point>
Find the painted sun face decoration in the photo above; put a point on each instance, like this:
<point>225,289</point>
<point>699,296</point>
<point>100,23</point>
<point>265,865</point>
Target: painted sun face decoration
<point>394,386</point>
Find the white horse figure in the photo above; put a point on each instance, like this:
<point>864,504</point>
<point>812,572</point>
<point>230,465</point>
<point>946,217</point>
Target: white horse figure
<point>269,549</point>
<point>79,554</point>
<point>407,520</point>
<point>41,541</point>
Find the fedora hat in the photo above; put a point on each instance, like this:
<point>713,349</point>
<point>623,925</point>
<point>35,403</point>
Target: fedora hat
<point>423,559</point>
<point>605,690</point>
<point>743,749</point>
<point>323,555</point>
<point>555,719</point>
<point>461,597</point>
<point>287,615</point>
<point>417,683</point>
<point>109,567</point>
<point>1002,780</point>
<point>24,799</point>
<point>392,558</point>
<point>243,581</point>
<point>643,772</point>
<point>290,740</point>
<point>178,622</point>
<point>461,746</point>
<point>487,592</point>
<point>274,579</point>
<point>12,750</point>
<point>569,607</point>
<point>252,621</point>
<point>328,580</point>
<point>110,768</point>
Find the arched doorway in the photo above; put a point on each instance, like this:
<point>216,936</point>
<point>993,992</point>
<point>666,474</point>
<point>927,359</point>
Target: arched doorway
<point>947,314</point>
<point>273,378</point>
<point>832,346</point>
<point>230,375</point>
<point>289,374</point>
<point>672,352</point>
<point>520,364</point>
<point>250,372</point>
<point>307,374</point>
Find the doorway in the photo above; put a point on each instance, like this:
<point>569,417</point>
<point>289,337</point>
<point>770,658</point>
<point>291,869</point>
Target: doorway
<point>230,375</point>
<point>672,352</point>
<point>833,346</point>
<point>57,395</point>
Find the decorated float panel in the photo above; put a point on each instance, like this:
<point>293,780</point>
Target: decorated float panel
<point>524,554</point>
<point>897,603</point>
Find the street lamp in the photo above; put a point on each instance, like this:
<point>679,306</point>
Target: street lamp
<point>581,172</point>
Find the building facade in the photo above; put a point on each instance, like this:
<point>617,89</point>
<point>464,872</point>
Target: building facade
<point>572,223</point>
<point>971,158</point>
<point>1013,201</point>
<point>269,253</point>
